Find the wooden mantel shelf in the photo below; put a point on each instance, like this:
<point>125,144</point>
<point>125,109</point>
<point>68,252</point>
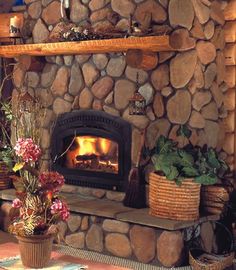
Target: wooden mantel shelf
<point>151,43</point>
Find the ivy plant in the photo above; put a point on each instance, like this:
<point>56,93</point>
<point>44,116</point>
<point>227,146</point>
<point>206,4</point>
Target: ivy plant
<point>200,163</point>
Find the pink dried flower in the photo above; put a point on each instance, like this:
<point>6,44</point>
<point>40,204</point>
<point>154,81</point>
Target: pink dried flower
<point>51,181</point>
<point>61,208</point>
<point>27,150</point>
<point>17,203</point>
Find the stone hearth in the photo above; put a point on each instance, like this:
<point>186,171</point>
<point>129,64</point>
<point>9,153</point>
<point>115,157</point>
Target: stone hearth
<point>109,227</point>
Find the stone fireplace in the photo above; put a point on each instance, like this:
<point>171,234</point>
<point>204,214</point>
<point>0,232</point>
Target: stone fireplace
<point>86,101</point>
<point>175,95</point>
<point>92,148</point>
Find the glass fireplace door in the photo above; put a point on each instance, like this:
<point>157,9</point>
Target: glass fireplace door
<point>92,153</point>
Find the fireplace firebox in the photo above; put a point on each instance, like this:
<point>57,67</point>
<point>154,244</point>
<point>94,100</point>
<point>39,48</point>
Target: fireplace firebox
<point>92,149</point>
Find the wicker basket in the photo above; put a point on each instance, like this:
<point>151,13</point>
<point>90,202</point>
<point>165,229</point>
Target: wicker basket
<point>214,198</point>
<point>5,180</point>
<point>35,250</point>
<point>220,262</point>
<point>168,200</point>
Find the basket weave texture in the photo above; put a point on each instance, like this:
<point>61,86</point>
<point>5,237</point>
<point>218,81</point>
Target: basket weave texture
<point>217,265</point>
<point>5,180</point>
<point>35,250</point>
<point>214,198</point>
<point>168,200</point>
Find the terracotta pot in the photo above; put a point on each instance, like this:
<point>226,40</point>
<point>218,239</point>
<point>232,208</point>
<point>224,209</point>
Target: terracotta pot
<point>35,250</point>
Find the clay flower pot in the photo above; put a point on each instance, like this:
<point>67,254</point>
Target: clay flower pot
<point>35,250</point>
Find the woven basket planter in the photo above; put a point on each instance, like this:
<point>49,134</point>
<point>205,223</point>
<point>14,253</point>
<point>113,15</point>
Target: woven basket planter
<point>5,180</point>
<point>224,262</point>
<point>168,200</point>
<point>214,198</point>
<point>35,250</point>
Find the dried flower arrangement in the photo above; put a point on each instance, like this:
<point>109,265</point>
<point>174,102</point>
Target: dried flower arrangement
<point>38,206</point>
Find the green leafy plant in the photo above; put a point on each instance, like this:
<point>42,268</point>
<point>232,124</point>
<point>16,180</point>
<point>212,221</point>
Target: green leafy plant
<point>6,117</point>
<point>6,153</point>
<point>200,163</point>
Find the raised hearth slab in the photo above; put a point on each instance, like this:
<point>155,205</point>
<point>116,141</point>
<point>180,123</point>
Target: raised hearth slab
<point>116,210</point>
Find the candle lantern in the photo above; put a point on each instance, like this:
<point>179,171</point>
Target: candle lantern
<point>65,6</point>
<point>137,104</point>
<point>14,27</point>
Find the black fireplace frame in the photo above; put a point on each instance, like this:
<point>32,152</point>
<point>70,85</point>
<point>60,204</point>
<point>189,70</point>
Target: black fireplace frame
<point>98,123</point>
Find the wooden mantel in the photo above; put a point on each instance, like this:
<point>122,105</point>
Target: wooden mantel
<point>151,43</point>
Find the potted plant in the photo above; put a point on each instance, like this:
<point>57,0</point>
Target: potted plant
<point>179,173</point>
<point>38,206</point>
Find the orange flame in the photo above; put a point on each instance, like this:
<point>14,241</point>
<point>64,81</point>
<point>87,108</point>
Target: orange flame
<point>89,145</point>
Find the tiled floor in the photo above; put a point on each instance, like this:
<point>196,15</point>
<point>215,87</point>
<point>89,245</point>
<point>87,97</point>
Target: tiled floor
<point>9,248</point>
<point>6,237</point>
<point>95,261</point>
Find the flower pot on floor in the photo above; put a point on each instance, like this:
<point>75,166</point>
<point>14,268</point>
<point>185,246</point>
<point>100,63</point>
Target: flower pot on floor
<point>168,200</point>
<point>35,250</point>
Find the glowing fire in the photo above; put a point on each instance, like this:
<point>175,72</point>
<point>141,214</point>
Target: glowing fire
<point>93,153</point>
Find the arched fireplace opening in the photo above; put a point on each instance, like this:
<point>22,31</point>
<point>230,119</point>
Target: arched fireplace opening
<point>92,149</point>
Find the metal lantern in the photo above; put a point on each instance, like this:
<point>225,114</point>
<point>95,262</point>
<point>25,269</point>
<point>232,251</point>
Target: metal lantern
<point>29,117</point>
<point>137,104</point>
<point>26,103</point>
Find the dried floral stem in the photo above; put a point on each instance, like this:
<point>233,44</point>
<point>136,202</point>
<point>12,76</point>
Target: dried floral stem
<point>6,77</point>
<point>31,170</point>
<point>67,149</point>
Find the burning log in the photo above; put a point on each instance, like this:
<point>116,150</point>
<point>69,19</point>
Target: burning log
<point>86,157</point>
<point>94,162</point>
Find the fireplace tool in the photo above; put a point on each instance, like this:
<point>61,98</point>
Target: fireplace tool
<point>135,192</point>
